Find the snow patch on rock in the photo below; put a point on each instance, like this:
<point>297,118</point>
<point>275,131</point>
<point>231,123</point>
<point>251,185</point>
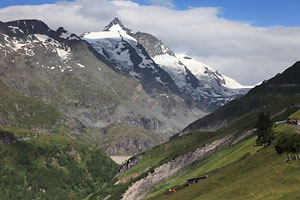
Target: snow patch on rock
<point>80,65</point>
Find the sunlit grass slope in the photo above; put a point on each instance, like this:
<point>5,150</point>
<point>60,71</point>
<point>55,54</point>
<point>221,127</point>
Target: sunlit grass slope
<point>243,171</point>
<point>296,115</point>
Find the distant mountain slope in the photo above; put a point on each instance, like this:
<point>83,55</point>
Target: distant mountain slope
<point>24,112</point>
<point>289,76</point>
<point>125,139</point>
<point>282,88</point>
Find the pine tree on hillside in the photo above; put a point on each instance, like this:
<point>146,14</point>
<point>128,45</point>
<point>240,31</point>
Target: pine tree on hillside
<point>264,130</point>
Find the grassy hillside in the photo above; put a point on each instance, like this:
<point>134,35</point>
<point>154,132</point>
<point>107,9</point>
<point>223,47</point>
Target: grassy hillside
<point>21,111</point>
<point>222,157</point>
<point>283,116</point>
<point>295,115</point>
<point>51,167</point>
<point>261,176</point>
<point>243,171</point>
<point>289,76</point>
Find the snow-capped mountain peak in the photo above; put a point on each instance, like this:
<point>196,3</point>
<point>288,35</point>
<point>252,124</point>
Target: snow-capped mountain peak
<point>147,58</point>
<point>114,22</point>
<point>118,45</point>
<point>115,30</point>
<point>116,26</point>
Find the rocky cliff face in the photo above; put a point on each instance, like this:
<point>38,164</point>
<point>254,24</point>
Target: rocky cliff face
<point>152,45</point>
<point>133,161</point>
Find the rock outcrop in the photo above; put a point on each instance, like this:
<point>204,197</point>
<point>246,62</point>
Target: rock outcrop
<point>133,161</point>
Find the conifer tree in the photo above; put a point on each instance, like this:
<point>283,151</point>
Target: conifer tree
<point>264,130</point>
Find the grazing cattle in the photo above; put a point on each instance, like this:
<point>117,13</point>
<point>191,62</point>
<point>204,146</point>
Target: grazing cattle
<point>171,191</point>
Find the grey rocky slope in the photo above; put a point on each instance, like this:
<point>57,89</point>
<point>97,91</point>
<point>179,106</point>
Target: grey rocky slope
<point>125,139</point>
<point>66,72</point>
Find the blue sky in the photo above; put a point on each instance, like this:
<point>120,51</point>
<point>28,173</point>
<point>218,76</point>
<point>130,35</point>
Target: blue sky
<point>263,13</point>
<point>258,12</point>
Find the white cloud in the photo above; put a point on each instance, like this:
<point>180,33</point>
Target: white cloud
<point>166,3</point>
<point>246,53</point>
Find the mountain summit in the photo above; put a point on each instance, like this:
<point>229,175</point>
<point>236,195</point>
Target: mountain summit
<point>116,24</point>
<point>116,21</point>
